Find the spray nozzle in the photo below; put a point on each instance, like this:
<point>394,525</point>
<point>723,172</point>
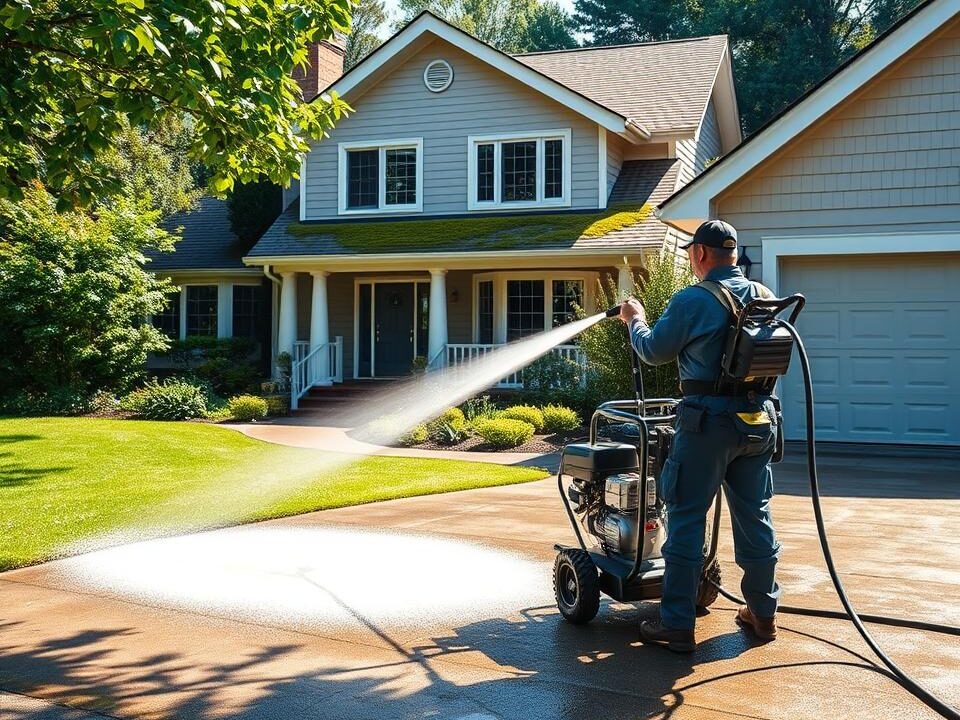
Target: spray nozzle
<point>613,312</point>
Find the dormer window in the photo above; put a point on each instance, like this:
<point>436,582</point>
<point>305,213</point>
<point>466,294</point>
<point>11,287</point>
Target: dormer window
<point>520,170</point>
<point>381,177</point>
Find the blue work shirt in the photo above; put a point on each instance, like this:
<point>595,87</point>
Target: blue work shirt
<point>693,328</point>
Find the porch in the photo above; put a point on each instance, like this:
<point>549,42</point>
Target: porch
<point>346,326</point>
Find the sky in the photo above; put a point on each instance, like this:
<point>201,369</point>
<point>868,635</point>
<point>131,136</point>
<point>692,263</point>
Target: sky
<point>386,30</point>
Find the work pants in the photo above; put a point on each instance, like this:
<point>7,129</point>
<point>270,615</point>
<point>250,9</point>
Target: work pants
<point>728,441</point>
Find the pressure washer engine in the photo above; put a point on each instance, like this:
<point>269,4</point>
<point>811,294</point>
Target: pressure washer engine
<point>609,486</point>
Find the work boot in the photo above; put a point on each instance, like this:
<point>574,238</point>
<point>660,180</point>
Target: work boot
<point>764,628</point>
<point>681,641</point>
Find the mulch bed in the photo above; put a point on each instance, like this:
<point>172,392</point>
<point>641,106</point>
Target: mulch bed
<point>542,444</point>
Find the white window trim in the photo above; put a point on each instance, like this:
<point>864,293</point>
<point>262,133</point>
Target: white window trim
<point>224,305</point>
<point>540,136</point>
<point>382,146</point>
<point>499,279</point>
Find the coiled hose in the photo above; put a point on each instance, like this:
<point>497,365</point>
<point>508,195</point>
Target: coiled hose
<point>908,683</point>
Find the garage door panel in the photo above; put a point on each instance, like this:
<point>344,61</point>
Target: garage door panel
<point>883,335</point>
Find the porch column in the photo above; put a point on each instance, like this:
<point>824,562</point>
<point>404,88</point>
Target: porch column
<point>319,326</point>
<point>287,327</point>
<point>437,331</point>
<point>624,280</point>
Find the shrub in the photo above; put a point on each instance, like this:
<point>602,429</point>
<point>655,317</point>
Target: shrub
<point>228,364</point>
<point>504,432</point>
<point>278,405</point>
<point>416,436</point>
<point>557,418</point>
<point>73,295</point>
<point>552,372</point>
<point>527,413</point>
<point>478,407</point>
<point>55,401</point>
<point>133,400</point>
<point>247,407</point>
<point>172,400</point>
<point>449,428</point>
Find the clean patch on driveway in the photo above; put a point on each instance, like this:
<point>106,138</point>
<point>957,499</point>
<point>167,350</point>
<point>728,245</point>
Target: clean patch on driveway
<point>314,576</point>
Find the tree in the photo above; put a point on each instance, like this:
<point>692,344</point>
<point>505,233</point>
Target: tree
<point>368,16</point>
<point>548,28</point>
<point>780,47</point>
<point>252,208</point>
<point>512,26</point>
<point>154,167</point>
<point>72,72</point>
<point>73,295</point>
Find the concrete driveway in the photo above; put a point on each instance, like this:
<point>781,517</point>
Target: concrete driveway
<point>441,607</point>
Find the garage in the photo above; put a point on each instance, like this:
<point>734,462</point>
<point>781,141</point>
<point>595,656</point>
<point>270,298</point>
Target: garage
<point>883,335</point>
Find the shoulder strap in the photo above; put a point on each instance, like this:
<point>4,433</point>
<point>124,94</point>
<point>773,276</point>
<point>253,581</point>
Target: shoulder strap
<point>723,296</point>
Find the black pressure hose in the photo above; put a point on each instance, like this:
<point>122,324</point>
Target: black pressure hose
<point>911,685</point>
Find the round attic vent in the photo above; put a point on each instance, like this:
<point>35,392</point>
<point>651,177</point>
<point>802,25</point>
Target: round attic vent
<point>438,76</point>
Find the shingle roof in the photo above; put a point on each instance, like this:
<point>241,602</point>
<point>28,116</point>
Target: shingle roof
<point>206,243</point>
<point>662,85</point>
<point>641,183</point>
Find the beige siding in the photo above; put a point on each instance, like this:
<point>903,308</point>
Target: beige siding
<point>480,101</point>
<point>887,159</point>
<point>615,151</point>
<point>694,154</point>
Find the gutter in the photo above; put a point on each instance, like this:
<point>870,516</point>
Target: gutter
<point>270,276</point>
<point>635,131</point>
<point>332,260</point>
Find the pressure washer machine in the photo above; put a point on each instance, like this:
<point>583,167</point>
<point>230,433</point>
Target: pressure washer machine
<point>609,489</point>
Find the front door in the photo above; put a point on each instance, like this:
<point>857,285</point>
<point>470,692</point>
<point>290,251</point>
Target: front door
<point>393,328</point>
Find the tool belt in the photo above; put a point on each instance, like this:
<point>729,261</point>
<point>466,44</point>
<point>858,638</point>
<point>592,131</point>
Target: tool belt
<point>722,388</point>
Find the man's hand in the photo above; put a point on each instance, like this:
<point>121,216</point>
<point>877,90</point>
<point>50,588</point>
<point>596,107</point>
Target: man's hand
<point>631,309</point>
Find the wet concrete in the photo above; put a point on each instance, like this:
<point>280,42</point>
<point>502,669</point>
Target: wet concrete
<point>441,607</point>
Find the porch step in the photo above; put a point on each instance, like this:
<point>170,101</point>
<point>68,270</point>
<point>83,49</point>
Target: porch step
<point>321,400</point>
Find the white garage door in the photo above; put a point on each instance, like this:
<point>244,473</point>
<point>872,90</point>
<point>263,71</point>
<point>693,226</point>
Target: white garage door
<point>883,335</point>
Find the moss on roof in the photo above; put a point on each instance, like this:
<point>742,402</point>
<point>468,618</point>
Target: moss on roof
<point>483,232</point>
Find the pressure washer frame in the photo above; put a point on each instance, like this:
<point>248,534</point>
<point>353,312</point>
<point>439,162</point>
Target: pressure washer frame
<point>642,579</point>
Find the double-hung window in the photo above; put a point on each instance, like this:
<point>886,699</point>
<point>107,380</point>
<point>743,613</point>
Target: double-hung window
<point>381,177</point>
<point>202,303</point>
<point>519,170</point>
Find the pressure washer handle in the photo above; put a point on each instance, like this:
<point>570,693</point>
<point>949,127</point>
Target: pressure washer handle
<point>613,312</point>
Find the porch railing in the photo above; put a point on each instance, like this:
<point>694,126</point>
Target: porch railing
<point>321,366</point>
<point>459,353</point>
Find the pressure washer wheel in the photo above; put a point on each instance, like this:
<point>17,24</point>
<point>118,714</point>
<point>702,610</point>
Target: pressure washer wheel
<point>707,593</point>
<point>576,586</point>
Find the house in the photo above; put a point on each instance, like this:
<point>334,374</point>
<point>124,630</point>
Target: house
<point>852,197</point>
<point>474,197</point>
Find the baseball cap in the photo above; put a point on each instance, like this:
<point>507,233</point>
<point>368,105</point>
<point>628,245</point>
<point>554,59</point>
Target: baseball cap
<point>714,233</point>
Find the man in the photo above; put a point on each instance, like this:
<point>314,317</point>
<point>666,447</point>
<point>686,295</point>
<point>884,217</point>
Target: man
<point>725,433</point>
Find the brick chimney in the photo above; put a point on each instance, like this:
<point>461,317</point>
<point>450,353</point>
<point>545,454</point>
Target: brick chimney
<point>325,64</point>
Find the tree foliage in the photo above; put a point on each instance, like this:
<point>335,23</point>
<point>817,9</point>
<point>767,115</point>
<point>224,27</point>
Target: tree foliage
<point>780,47</point>
<point>368,16</point>
<point>607,345</point>
<point>510,25</point>
<point>75,73</point>
<point>73,295</point>
<point>252,208</point>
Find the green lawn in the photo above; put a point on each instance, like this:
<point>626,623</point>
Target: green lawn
<point>64,481</point>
